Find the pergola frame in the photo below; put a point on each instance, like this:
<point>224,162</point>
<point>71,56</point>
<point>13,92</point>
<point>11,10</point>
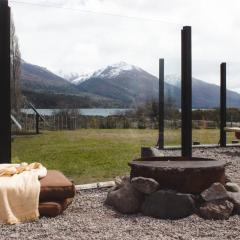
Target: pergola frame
<point>161,105</point>
<point>186,91</point>
<point>5,102</point>
<point>223,108</point>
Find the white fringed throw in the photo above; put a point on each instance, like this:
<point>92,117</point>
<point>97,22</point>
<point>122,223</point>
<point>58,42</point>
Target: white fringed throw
<point>19,192</point>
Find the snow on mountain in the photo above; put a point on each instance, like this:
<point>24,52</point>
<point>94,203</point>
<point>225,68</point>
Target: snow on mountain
<point>114,70</point>
<point>81,78</point>
<point>173,79</point>
<point>68,76</point>
<point>106,72</point>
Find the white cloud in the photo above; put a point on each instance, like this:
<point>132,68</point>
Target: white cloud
<point>75,41</point>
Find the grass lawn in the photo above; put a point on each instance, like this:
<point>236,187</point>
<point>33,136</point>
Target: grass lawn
<point>90,155</point>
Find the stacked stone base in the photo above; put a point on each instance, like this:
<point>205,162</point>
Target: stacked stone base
<point>146,196</point>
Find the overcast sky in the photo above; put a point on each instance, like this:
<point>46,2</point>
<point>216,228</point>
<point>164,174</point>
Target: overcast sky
<point>84,35</point>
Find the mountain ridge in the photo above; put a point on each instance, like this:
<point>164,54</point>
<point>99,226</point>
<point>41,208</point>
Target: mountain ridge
<point>121,84</point>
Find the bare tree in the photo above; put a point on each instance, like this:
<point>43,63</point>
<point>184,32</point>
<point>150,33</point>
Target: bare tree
<point>16,96</point>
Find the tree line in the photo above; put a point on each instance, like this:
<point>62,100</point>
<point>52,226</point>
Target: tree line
<point>150,110</point>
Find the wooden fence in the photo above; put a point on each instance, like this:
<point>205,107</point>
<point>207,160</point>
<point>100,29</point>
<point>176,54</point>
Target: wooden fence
<point>72,122</point>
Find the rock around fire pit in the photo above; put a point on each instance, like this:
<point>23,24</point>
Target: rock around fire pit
<point>176,187</point>
<point>179,173</point>
<point>145,195</point>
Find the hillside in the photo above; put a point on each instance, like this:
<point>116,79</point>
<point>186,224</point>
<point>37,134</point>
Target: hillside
<point>118,85</point>
<point>39,79</point>
<point>47,90</point>
<point>206,95</point>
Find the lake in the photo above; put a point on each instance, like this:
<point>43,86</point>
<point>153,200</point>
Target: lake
<point>104,112</point>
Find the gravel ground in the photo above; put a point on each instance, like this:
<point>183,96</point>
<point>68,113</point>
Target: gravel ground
<point>88,218</point>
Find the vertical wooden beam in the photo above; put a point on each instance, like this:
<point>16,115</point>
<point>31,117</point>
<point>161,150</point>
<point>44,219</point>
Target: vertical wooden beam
<point>186,92</point>
<point>223,108</point>
<point>37,123</point>
<point>5,104</point>
<point>161,105</point>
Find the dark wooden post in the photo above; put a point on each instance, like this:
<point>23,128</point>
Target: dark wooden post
<point>161,105</point>
<point>223,110</point>
<point>186,65</point>
<point>37,123</point>
<point>5,104</point>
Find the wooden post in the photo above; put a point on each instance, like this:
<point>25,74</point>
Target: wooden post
<point>37,123</point>
<point>26,122</point>
<point>5,103</point>
<point>223,109</point>
<point>161,105</point>
<point>186,92</point>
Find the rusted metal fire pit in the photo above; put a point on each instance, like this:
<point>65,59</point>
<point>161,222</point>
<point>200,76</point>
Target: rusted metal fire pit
<point>186,175</point>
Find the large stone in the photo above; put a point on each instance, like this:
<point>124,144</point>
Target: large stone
<point>145,185</point>
<point>217,210</point>
<point>168,204</point>
<point>215,192</point>
<point>232,187</point>
<point>121,181</point>
<point>151,152</point>
<point>125,199</point>
<point>234,197</point>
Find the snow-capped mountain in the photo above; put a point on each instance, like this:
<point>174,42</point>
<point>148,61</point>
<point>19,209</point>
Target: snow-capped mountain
<point>106,72</point>
<point>124,82</point>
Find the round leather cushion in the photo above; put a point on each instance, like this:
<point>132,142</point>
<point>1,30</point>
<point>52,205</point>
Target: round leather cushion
<point>49,209</point>
<point>55,187</point>
<point>52,209</point>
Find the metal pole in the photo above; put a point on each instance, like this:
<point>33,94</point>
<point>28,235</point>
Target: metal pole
<point>186,92</point>
<point>223,110</point>
<point>161,105</point>
<point>5,104</point>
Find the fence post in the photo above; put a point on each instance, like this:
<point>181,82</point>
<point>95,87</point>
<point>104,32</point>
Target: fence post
<point>37,123</point>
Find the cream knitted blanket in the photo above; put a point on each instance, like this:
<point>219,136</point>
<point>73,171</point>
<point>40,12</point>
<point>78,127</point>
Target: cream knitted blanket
<point>19,192</point>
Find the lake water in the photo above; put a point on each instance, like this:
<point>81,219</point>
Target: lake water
<point>104,112</point>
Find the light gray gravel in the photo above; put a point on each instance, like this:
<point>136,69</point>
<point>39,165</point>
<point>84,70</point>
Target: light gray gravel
<point>88,218</point>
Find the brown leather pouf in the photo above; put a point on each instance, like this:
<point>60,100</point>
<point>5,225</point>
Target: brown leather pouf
<point>52,209</point>
<point>56,194</point>
<point>49,209</point>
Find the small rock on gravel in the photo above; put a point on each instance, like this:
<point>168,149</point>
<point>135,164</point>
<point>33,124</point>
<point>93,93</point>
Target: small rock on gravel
<point>234,197</point>
<point>232,187</point>
<point>151,152</point>
<point>168,204</point>
<point>145,185</point>
<point>125,199</point>
<point>217,210</point>
<point>215,192</point>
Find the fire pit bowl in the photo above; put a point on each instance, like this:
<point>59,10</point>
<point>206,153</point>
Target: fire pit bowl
<point>186,175</point>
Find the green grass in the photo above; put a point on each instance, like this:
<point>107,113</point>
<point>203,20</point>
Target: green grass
<point>90,155</point>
